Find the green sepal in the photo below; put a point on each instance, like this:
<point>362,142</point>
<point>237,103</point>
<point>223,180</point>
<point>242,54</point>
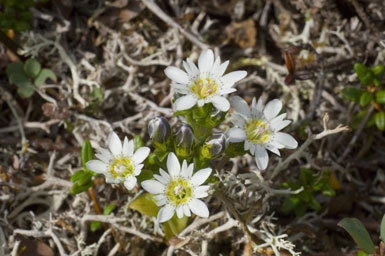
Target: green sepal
<point>138,142</point>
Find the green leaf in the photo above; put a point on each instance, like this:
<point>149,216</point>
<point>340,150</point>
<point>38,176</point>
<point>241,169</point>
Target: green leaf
<point>145,204</point>
<point>379,117</point>
<point>365,99</point>
<point>43,76</point>
<point>32,67</point>
<point>77,188</point>
<point>328,190</point>
<point>20,79</point>
<point>305,176</point>
<point>362,253</point>
<point>358,232</point>
<point>289,204</point>
<point>109,208</point>
<point>352,94</point>
<point>138,142</point>
<point>300,210</point>
<point>25,92</point>
<point>145,174</point>
<point>15,68</point>
<point>380,97</point>
<point>76,176</point>
<point>382,229</point>
<point>174,226</point>
<point>314,204</point>
<point>95,225</point>
<point>87,153</point>
<point>364,74</point>
<point>378,71</point>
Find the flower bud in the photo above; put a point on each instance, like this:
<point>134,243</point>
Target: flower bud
<point>214,146</point>
<point>184,139</point>
<point>159,129</point>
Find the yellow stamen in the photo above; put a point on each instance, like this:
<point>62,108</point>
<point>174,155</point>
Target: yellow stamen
<point>257,131</point>
<point>121,167</point>
<point>179,191</point>
<point>204,87</point>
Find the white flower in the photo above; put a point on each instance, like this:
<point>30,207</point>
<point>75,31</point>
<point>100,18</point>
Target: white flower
<point>179,190</point>
<point>120,163</point>
<point>259,129</point>
<point>204,85</point>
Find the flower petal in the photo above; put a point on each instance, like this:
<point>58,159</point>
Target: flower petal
<point>186,171</point>
<point>193,67</point>
<point>222,68</point>
<point>273,149</point>
<point>176,75</point>
<point>214,69</point>
<point>186,210</point>
<point>179,211</point>
<point>206,60</point>
<point>181,88</point>
<point>200,176</point>
<point>114,144</point>
<point>236,134</point>
<point>164,174</point>
<point>161,202</point>
<point>221,103</point>
<point>97,166</point>
<point>128,147</point>
<point>185,102</point>
<point>240,106</point>
<point>261,157</point>
<point>286,140</point>
<point>272,109</point>
<point>187,68</point>
<point>130,182</point>
<point>166,213</point>
<point>104,158</point>
<point>140,154</point>
<point>233,77</point>
<point>173,166</point>
<point>161,179</point>
<point>202,188</point>
<point>153,186</point>
<point>199,208</point>
<point>106,154</point>
<point>138,169</point>
<point>200,194</point>
<point>225,91</point>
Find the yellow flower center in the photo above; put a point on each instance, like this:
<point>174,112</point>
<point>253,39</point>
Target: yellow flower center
<point>257,131</point>
<point>179,191</point>
<point>204,87</point>
<point>121,167</point>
